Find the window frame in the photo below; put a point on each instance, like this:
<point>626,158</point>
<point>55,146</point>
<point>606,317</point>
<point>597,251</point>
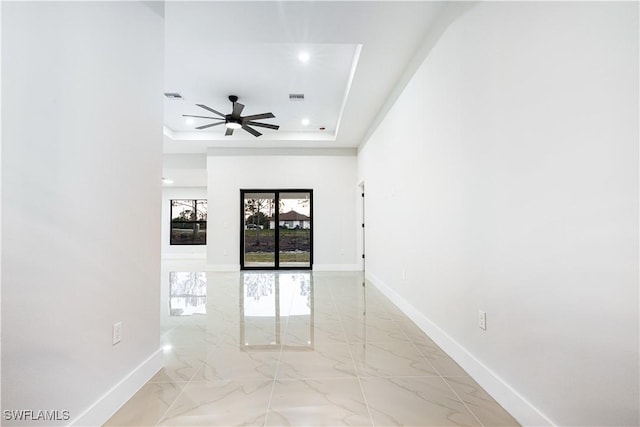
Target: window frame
<point>202,223</point>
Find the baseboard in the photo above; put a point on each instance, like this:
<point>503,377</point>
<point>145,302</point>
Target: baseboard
<point>501,391</point>
<point>316,267</point>
<point>336,267</point>
<point>98,413</point>
<point>185,256</point>
<point>223,267</point>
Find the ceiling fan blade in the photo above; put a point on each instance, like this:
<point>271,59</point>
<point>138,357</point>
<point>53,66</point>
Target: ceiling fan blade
<point>259,116</point>
<point>228,132</point>
<point>202,117</point>
<point>237,110</point>
<point>208,126</point>
<point>264,125</point>
<point>210,109</point>
<point>251,131</point>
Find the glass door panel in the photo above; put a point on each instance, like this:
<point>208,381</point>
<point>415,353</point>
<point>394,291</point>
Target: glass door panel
<point>294,226</point>
<point>259,238</point>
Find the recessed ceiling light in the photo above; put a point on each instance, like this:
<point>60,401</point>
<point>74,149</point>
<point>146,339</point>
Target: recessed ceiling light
<point>167,181</point>
<point>305,122</point>
<point>304,57</point>
<point>189,120</point>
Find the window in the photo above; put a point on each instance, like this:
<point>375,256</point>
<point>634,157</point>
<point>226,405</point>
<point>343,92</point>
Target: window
<point>188,222</point>
<point>276,229</point>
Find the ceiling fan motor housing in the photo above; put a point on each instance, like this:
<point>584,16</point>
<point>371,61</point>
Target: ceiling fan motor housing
<point>233,122</point>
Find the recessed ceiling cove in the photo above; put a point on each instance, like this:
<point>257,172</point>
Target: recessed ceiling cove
<point>325,69</point>
<point>263,76</point>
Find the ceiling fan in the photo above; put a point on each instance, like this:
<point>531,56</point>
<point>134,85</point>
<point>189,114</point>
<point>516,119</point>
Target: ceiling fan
<point>234,120</point>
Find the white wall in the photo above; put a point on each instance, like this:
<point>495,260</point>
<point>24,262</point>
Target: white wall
<point>0,206</point>
<point>331,176</point>
<point>179,251</point>
<point>81,168</point>
<point>514,151</point>
<point>185,170</point>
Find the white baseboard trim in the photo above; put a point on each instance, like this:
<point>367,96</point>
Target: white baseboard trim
<point>223,267</point>
<point>336,267</point>
<point>185,256</point>
<point>523,411</point>
<point>107,405</point>
<point>316,267</point>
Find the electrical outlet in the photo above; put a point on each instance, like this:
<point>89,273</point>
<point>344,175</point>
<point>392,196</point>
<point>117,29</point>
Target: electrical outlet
<point>482,320</point>
<point>116,333</point>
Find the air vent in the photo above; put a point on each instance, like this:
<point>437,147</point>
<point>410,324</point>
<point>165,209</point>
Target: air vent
<point>296,97</point>
<point>173,95</point>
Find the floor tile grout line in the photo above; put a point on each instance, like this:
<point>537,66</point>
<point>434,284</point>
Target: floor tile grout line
<point>273,386</point>
<point>164,414</point>
<point>206,344</point>
<point>345,293</point>
<point>403,317</point>
<point>275,373</point>
<point>185,385</point>
<point>178,396</point>
<point>439,375</point>
<point>355,367</point>
<point>462,400</point>
<point>413,343</point>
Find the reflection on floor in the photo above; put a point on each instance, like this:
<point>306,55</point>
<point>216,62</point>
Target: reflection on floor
<point>299,348</point>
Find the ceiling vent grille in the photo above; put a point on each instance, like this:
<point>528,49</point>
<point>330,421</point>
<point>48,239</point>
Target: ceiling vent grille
<point>173,95</point>
<point>296,97</point>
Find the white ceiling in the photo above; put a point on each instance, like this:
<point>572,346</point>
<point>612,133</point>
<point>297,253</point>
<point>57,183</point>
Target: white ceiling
<point>358,52</point>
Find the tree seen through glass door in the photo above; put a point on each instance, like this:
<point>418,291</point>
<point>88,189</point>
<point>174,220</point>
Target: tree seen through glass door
<point>277,229</point>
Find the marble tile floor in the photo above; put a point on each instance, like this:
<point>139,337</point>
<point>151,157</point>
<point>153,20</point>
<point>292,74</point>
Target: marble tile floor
<point>299,349</point>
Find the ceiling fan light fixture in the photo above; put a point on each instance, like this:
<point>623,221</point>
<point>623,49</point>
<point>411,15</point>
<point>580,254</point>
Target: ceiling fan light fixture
<point>232,125</point>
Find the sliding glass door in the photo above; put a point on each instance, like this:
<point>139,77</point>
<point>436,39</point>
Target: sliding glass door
<point>277,229</point>
<point>294,218</point>
<point>258,236</point>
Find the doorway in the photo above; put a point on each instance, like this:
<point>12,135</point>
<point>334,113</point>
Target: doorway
<point>276,229</point>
